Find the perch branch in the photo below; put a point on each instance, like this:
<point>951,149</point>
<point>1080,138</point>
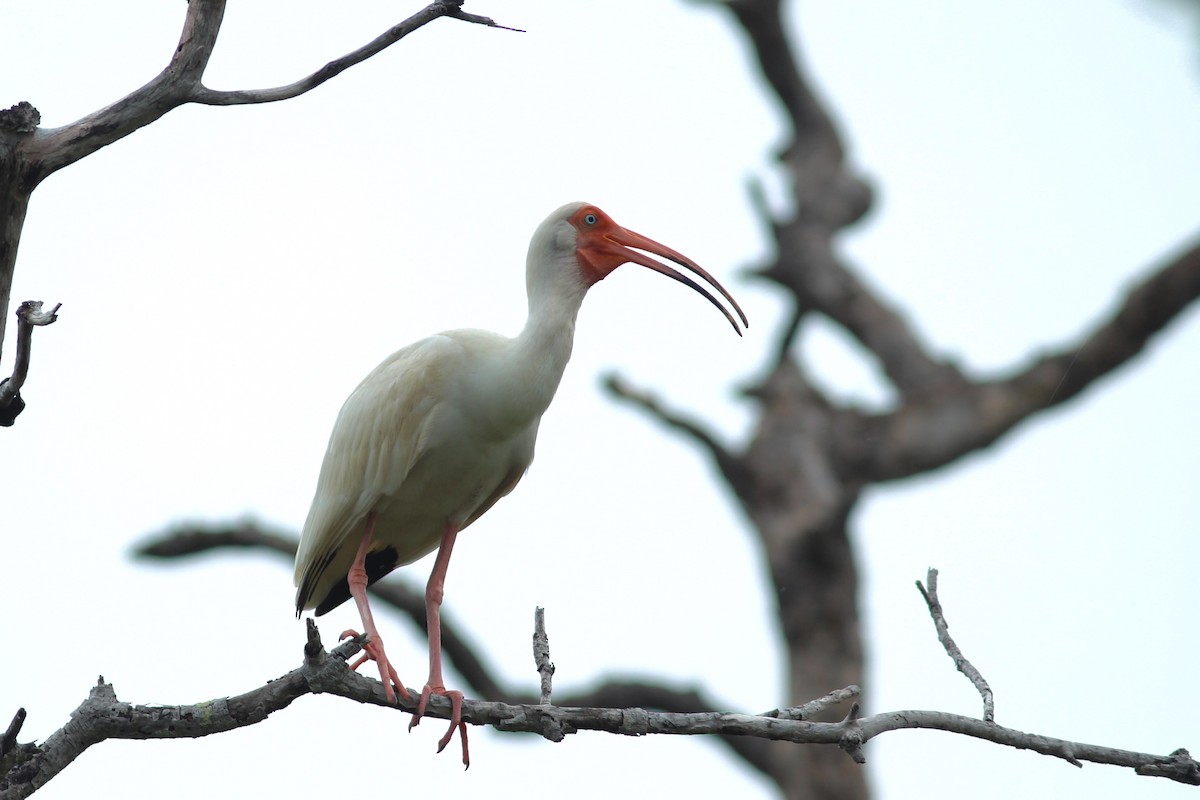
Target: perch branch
<point>29,316</point>
<point>102,716</point>
<point>943,633</point>
<point>456,647</point>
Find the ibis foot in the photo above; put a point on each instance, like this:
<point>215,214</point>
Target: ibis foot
<point>456,701</point>
<point>373,651</point>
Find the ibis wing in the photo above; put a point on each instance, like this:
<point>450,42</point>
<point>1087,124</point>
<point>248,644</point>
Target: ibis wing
<point>380,433</point>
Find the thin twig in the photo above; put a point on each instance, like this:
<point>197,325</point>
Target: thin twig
<point>29,316</point>
<point>541,654</point>
<point>619,388</point>
<point>960,661</point>
<point>814,707</point>
<point>443,8</point>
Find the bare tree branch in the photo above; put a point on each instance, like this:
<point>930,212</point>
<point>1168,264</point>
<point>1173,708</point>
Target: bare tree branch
<point>50,150</point>
<point>928,434</point>
<point>808,460</point>
<point>29,154</point>
<point>29,316</point>
<point>181,83</point>
<point>813,707</point>
<point>182,541</point>
<point>827,197</point>
<point>446,8</point>
<point>102,716</point>
<point>726,461</point>
<point>960,661</point>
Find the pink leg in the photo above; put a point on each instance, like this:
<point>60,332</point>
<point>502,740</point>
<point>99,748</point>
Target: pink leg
<point>433,601</point>
<point>373,647</point>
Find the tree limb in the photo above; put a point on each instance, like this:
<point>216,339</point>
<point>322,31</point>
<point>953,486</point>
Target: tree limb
<point>102,716</point>
<point>28,154</point>
<point>181,83</point>
<point>828,197</point>
<point>927,434</point>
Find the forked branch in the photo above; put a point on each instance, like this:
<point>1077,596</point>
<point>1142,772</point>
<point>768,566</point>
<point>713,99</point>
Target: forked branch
<point>28,153</point>
<point>181,82</point>
<point>102,716</point>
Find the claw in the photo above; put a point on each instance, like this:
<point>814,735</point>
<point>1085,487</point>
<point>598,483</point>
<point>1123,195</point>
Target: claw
<point>456,700</point>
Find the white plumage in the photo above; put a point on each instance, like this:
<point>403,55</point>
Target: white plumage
<point>445,427</point>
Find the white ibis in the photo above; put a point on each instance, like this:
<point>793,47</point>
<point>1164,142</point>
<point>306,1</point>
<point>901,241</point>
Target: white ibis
<point>445,427</point>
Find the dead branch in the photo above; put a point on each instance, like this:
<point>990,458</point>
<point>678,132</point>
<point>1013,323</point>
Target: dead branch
<point>541,655</point>
<point>814,707</point>
<point>960,661</point>
<point>808,460</point>
<point>9,740</point>
<point>29,316</point>
<point>28,154</point>
<point>457,648</point>
<point>102,716</point>
<point>211,97</point>
<point>181,82</point>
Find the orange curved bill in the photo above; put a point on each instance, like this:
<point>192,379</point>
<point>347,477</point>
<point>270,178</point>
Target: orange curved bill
<point>614,246</point>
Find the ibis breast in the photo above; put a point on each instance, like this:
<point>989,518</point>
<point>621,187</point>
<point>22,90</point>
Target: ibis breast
<point>419,444</point>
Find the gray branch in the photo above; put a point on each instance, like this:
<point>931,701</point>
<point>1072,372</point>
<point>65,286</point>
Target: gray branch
<point>929,433</point>
<point>960,661</point>
<point>211,97</point>
<point>814,707</point>
<point>28,153</point>
<point>181,83</point>
<point>102,716</point>
<point>459,650</point>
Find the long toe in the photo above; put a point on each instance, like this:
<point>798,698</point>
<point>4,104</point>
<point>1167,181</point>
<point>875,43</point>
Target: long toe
<point>456,701</point>
<point>373,651</point>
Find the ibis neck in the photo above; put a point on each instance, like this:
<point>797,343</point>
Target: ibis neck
<point>543,347</point>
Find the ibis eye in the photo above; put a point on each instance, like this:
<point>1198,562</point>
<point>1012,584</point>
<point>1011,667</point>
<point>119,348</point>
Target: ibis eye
<point>590,219</point>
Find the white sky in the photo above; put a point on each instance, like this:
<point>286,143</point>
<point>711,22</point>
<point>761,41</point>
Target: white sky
<point>228,275</point>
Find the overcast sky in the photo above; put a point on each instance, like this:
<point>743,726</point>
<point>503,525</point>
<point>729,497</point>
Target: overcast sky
<point>229,274</point>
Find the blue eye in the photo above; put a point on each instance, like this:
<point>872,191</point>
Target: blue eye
<point>590,219</point>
